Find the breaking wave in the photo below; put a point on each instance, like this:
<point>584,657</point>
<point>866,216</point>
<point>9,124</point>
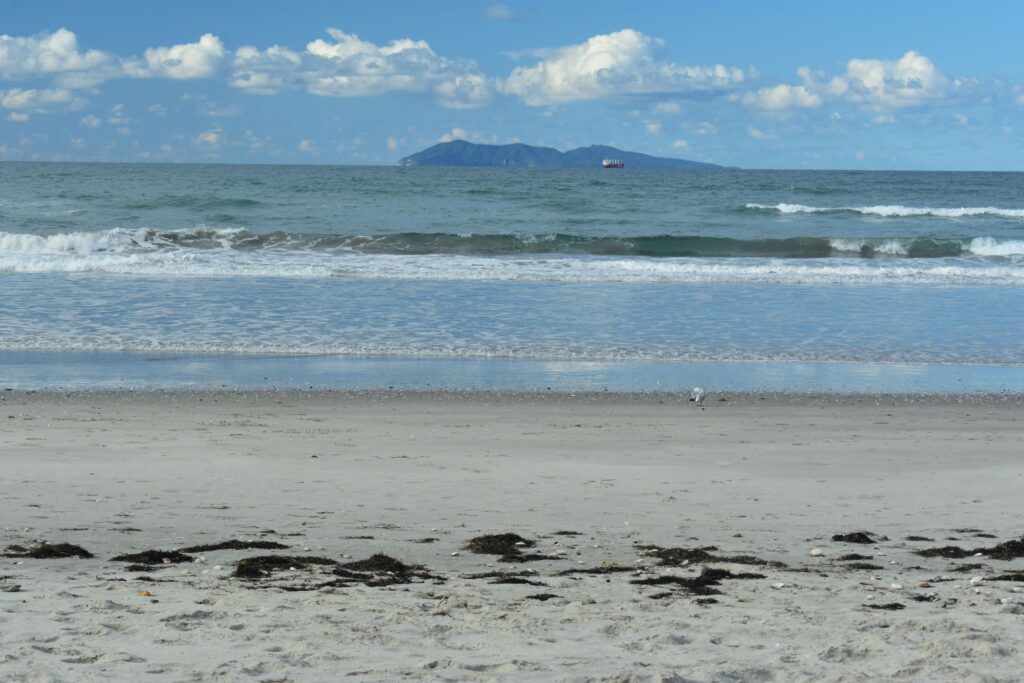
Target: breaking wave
<point>893,210</point>
<point>558,257</point>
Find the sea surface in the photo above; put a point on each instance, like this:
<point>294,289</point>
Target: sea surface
<point>118,275</point>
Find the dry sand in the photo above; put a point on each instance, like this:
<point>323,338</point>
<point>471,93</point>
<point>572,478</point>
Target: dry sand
<point>344,476</point>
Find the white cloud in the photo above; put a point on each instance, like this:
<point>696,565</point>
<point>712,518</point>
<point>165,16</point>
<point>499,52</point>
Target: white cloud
<point>77,143</point>
<point>392,143</point>
<point>210,139</point>
<point>653,127</point>
<point>265,72</point>
<point>874,84</point>
<point>180,62</point>
<point>883,118</point>
<point>782,97</point>
<point>18,117</point>
<point>680,144</point>
<point>57,55</point>
<point>43,54</point>
<point>91,121</point>
<point>909,81</point>
<point>667,108</point>
<point>454,134</point>
<point>308,147</point>
<point>859,154</point>
<point>1020,99</point>
<point>35,100</point>
<point>500,12</point>
<point>962,119</point>
<point>347,66</point>
<point>758,134</point>
<point>612,65</point>
<point>158,109</point>
<point>701,128</point>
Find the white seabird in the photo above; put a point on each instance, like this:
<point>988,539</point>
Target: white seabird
<point>697,395</point>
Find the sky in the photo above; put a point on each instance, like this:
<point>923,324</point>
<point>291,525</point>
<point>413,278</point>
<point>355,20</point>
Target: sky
<point>869,85</point>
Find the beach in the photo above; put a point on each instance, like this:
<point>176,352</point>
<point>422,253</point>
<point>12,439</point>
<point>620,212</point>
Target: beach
<point>626,508</point>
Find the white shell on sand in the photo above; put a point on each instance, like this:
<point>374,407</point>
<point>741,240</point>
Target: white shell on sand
<point>816,552</point>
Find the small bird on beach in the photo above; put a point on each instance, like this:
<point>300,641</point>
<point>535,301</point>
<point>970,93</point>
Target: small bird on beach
<point>697,395</point>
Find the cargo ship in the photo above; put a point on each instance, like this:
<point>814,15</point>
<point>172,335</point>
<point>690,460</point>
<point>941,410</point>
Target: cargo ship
<point>613,163</point>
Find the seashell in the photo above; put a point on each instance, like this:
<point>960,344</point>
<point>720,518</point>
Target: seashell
<point>816,552</point>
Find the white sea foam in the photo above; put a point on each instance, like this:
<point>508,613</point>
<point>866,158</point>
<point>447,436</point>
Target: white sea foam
<point>895,210</point>
<point>891,247</point>
<point>987,246</point>
<point>210,253</point>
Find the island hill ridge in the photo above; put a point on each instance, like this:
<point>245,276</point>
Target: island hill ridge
<point>462,153</point>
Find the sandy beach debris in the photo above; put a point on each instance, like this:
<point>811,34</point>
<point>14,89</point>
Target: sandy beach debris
<point>47,551</point>
<point>235,545</point>
<point>154,557</point>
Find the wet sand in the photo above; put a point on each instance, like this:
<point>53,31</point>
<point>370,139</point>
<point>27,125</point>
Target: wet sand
<point>658,494</point>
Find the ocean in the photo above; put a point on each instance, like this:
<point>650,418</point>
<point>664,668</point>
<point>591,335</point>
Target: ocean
<point>149,275</point>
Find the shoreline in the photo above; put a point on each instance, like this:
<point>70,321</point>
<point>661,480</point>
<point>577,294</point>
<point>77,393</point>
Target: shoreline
<point>56,371</point>
<point>766,399</point>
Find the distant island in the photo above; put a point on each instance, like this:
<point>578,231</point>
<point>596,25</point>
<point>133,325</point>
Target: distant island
<point>462,153</point>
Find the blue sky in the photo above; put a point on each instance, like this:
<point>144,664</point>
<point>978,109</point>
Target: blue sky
<point>873,85</point>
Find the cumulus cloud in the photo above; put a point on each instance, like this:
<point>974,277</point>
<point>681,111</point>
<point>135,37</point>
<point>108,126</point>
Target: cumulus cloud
<point>612,65</point>
<point>782,97</point>
<point>346,66</point>
<point>180,62</point>
<point>500,12</point>
<point>758,134</point>
<point>91,121</point>
<point>35,100</point>
<point>392,143</point>
<point>48,54</point>
<point>308,147</point>
<point>265,72</point>
<point>208,139</point>
<point>18,117</point>
<point>653,127</point>
<point>680,144</point>
<point>454,134</point>
<point>667,108</point>
<point>874,84</point>
<point>57,55</point>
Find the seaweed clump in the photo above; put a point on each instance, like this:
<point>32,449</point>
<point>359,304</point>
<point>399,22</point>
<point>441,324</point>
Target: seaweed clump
<point>887,606</point>
<point>1004,551</point>
<point>703,584</point>
<point>48,551</point>
<point>677,557</point>
<point>509,546</point>
<point>154,557</point>
<point>863,537</point>
<point>381,570</point>
<point>850,557</point>
<point>948,551</point>
<point>602,569</point>
<point>542,597</point>
<point>264,565</point>
<point>235,545</point>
